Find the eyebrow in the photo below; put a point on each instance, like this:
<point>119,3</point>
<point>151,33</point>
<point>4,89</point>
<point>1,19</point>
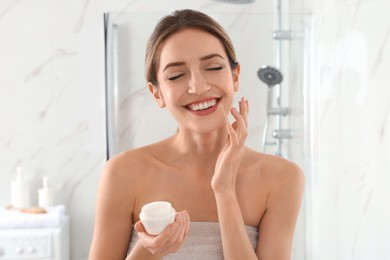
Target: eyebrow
<point>210,56</point>
<point>173,64</point>
<point>180,63</point>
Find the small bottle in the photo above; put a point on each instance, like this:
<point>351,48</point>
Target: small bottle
<point>20,192</point>
<point>46,195</point>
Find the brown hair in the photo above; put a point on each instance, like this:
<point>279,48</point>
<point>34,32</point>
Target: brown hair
<point>179,20</point>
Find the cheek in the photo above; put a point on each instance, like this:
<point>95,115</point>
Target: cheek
<point>222,79</point>
<point>171,94</point>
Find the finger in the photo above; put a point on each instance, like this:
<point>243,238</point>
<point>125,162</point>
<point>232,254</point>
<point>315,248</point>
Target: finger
<point>148,241</point>
<point>178,240</point>
<point>235,113</point>
<point>139,227</point>
<point>187,224</point>
<point>165,237</point>
<point>233,136</point>
<point>243,105</point>
<point>179,223</point>
<point>244,109</point>
<point>240,125</point>
<point>183,230</point>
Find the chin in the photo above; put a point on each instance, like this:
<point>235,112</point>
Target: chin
<point>210,127</point>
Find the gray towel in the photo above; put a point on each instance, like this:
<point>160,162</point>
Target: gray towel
<point>203,242</point>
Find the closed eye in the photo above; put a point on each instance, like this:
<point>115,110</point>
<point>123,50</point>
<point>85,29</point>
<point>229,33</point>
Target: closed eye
<point>175,77</point>
<point>215,68</point>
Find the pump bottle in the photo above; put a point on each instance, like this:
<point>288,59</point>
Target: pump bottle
<point>20,192</point>
<point>46,194</point>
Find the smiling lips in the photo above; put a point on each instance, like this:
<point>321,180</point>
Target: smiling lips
<point>203,106</point>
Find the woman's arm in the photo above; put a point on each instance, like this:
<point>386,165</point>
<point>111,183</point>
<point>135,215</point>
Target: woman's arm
<point>277,225</point>
<point>235,240</point>
<point>113,222</point>
<point>282,208</point>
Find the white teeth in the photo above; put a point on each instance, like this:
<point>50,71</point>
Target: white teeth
<point>204,105</point>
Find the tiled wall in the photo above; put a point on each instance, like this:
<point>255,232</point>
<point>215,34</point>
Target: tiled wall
<point>348,109</point>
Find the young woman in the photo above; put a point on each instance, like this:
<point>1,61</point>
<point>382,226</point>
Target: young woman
<point>231,202</point>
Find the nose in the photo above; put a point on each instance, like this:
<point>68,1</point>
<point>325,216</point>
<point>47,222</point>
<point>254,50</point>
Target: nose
<point>197,84</point>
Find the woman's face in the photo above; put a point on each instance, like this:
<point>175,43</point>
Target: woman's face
<point>195,80</point>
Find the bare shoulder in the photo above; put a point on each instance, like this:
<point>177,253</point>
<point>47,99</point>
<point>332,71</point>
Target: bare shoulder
<point>122,173</point>
<point>130,163</point>
<point>126,163</point>
<point>276,170</point>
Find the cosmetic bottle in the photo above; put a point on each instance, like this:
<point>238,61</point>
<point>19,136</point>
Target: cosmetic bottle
<point>20,192</point>
<point>46,194</point>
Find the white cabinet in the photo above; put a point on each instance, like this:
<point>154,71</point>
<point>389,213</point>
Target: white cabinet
<point>35,243</point>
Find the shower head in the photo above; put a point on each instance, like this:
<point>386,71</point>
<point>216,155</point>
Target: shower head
<point>270,75</point>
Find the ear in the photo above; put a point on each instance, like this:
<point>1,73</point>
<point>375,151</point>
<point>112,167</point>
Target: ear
<point>236,77</point>
<point>156,95</point>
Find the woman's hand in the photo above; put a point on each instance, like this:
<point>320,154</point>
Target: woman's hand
<point>224,179</point>
<point>170,240</point>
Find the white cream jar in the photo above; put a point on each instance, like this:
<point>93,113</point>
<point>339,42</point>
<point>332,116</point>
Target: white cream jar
<point>156,216</point>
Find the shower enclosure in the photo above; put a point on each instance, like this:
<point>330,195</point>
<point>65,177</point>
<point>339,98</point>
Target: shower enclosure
<point>260,39</point>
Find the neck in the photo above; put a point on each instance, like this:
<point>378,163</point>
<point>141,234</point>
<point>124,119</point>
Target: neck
<point>201,145</point>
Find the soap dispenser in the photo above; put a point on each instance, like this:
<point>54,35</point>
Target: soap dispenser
<point>46,194</point>
<point>20,192</point>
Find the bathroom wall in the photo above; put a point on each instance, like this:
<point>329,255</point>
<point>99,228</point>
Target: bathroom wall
<point>348,115</point>
<point>52,101</point>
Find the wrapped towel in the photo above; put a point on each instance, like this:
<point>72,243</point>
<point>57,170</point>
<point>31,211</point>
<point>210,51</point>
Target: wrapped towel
<point>203,242</point>
<point>16,219</point>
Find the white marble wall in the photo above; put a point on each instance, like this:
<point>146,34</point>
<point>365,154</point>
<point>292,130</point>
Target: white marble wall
<point>52,103</point>
<point>348,109</point>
